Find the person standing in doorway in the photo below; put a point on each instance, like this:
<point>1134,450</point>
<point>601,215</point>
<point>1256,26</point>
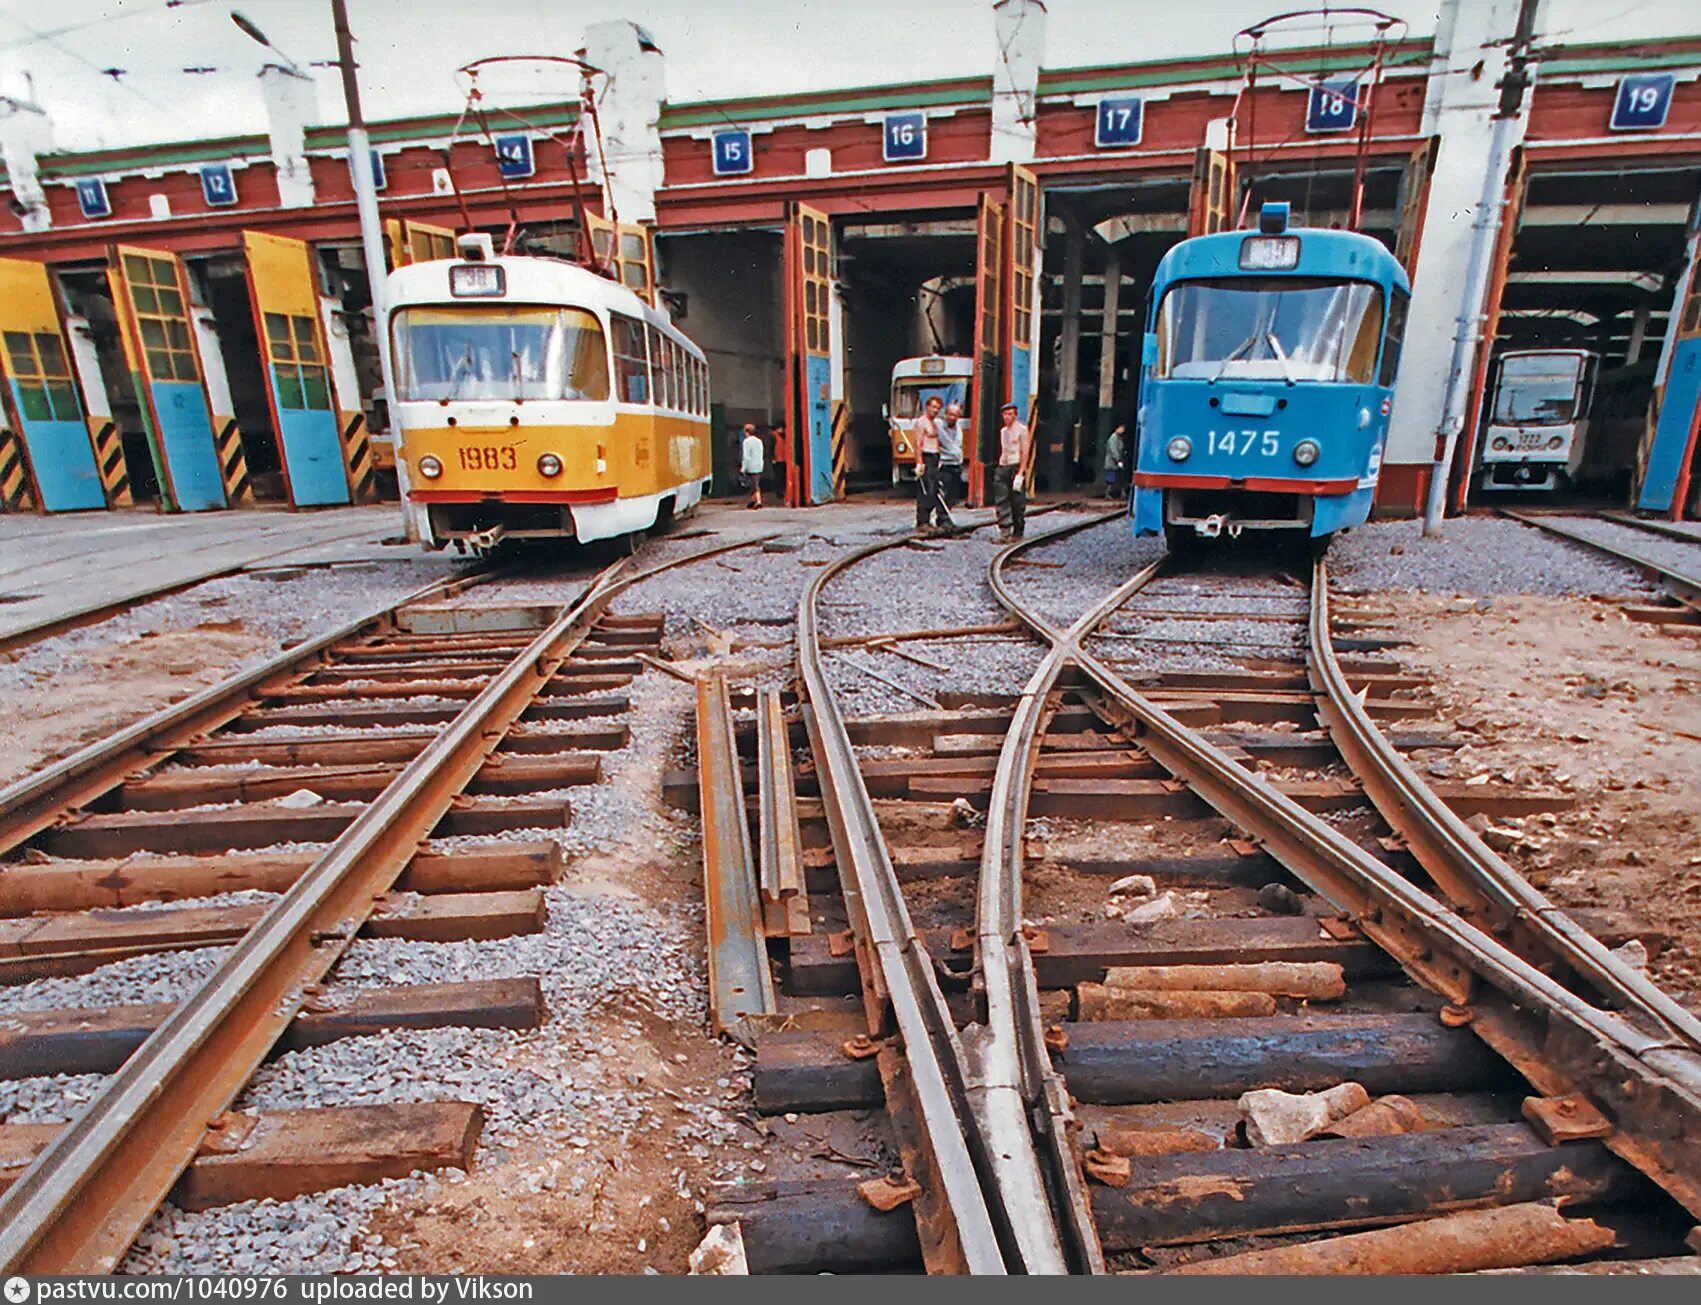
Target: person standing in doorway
<point>929,500</point>
<point>1114,450</point>
<point>1009,477</point>
<point>753,462</point>
<point>951,454</point>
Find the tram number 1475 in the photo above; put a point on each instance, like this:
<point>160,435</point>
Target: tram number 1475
<point>473,459</point>
<point>1242,442</point>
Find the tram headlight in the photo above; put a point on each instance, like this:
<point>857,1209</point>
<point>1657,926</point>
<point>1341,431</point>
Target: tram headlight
<point>1305,452</point>
<point>1555,441</point>
<point>1501,444</point>
<point>430,467</point>
<point>548,465</point>
<point>1180,449</point>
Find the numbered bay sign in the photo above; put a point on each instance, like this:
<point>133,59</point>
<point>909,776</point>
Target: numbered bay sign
<point>733,157</point>
<point>1119,124</point>
<point>91,198</point>
<point>906,137</point>
<point>1643,101</point>
<point>218,186</point>
<point>514,157</point>
<point>379,181</point>
<point>1333,106</point>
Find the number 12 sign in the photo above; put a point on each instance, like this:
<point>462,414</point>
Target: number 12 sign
<point>1119,123</point>
<point>1643,101</point>
<point>906,136</point>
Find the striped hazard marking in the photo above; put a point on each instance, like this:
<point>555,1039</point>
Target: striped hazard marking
<point>233,464</point>
<point>109,455</point>
<point>357,449</point>
<point>841,447</point>
<point>16,492</point>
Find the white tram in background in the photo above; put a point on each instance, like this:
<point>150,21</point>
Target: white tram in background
<point>538,399</point>
<point>1538,419</point>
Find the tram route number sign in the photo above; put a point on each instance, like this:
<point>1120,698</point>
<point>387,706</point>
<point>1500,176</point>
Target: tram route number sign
<point>379,181</point>
<point>1119,123</point>
<point>218,185</point>
<point>1643,101</point>
<point>514,158</point>
<point>906,137</point>
<point>1333,106</point>
<point>733,155</point>
<point>91,198</point>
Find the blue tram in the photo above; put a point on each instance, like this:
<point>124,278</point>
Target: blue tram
<point>1266,381</point>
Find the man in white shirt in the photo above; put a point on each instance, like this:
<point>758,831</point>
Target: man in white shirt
<point>951,453</point>
<point>1009,477</point>
<point>753,464</point>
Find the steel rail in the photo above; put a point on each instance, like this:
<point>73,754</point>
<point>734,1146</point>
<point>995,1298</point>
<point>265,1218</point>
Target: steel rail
<point>1650,1085</point>
<point>1472,874</point>
<point>31,804</point>
<point>81,1202</point>
<point>1649,526</point>
<point>1683,586</point>
<point>1017,1086</point>
<point>956,1222</point>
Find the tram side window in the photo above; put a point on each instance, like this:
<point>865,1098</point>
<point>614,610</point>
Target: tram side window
<point>680,400</point>
<point>631,360</point>
<point>1396,338</point>
<point>658,368</point>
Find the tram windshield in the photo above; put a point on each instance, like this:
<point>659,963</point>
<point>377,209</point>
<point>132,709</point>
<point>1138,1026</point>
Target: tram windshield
<point>500,353</point>
<point>1269,329</point>
<point>909,397</point>
<point>1537,389</point>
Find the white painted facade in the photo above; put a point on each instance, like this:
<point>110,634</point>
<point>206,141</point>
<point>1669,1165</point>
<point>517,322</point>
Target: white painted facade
<point>626,155</point>
<point>291,107</point>
<point>1459,106</point>
<point>1019,28</point>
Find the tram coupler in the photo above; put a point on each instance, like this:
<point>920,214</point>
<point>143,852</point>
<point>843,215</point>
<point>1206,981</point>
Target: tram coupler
<point>482,541</point>
<point>1210,527</point>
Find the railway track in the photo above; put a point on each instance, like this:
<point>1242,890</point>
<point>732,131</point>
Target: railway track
<point>320,776</point>
<point>1319,920</point>
<point>1667,555</point>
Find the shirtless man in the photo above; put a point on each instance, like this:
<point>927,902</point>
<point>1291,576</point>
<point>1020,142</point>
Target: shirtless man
<point>929,498</point>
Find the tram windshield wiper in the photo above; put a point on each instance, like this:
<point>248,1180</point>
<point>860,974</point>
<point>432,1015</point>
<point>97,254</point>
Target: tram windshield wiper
<point>1282,358</point>
<point>1245,346</point>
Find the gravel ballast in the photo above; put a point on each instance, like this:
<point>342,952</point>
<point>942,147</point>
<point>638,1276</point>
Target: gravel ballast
<point>1474,556</point>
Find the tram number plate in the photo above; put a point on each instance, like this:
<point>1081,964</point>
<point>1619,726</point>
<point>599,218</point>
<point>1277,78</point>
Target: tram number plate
<point>475,459</point>
<point>1264,443</point>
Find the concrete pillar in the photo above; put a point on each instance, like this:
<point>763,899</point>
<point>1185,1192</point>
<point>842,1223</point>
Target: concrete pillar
<point>629,89</point>
<point>1069,332</point>
<point>1638,336</point>
<point>1019,28</point>
<point>1469,60</point>
<point>291,107</point>
<point>26,132</point>
<point>1107,352</point>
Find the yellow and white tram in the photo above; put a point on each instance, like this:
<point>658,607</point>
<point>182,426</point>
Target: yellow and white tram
<point>537,399</point>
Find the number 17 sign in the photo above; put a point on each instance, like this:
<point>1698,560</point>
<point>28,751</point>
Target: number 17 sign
<point>1119,123</point>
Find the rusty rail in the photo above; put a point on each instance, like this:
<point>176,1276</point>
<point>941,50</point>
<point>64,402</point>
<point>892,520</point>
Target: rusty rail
<point>79,1205</point>
<point>1681,585</point>
<point>741,988</point>
<point>1649,1083</point>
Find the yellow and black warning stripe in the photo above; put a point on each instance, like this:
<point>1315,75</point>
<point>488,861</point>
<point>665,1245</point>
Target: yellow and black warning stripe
<point>841,447</point>
<point>109,456</point>
<point>357,449</point>
<point>16,492</point>
<point>233,465</point>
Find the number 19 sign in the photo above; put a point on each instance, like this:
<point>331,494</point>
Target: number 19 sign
<point>1643,101</point>
<point>906,136</point>
<point>1119,124</point>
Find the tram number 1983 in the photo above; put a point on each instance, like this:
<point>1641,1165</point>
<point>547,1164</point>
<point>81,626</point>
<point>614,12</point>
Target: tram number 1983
<point>1243,442</point>
<point>473,459</point>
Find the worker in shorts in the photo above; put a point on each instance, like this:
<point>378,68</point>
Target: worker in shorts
<point>929,498</point>
<point>1009,477</point>
<point>752,463</point>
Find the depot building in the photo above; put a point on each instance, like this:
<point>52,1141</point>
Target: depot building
<point>189,324</point>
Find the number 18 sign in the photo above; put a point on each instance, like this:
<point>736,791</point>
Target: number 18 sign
<point>1119,123</point>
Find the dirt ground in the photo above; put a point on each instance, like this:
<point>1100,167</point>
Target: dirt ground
<point>119,682</point>
<point>1572,694</point>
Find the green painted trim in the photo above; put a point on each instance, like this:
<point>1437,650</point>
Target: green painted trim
<point>1172,72</point>
<point>95,162</point>
<point>1549,69</point>
<point>441,124</point>
<point>863,99</point>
